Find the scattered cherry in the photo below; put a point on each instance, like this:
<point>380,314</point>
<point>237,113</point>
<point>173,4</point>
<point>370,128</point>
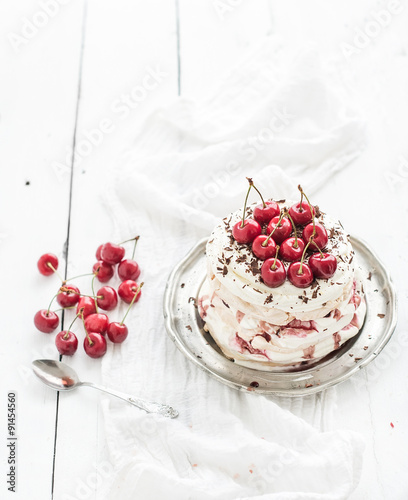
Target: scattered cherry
<point>300,274</point>
<point>66,342</point>
<point>320,238</point>
<point>283,228</point>
<point>112,253</point>
<point>127,290</point>
<point>264,247</point>
<point>98,252</point>
<point>117,332</point>
<point>273,271</point>
<point>128,269</point>
<point>97,322</point>
<point>323,265</point>
<point>103,271</point>
<point>68,296</point>
<point>86,306</point>
<point>47,264</point>
<point>46,321</point>
<point>107,298</point>
<point>95,345</point>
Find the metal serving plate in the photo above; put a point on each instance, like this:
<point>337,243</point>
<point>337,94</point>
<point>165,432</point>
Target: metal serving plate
<point>185,328</point>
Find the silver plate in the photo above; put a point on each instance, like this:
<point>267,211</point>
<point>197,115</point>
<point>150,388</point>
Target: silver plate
<point>185,328</point>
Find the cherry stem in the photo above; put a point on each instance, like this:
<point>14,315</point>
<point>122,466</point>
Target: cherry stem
<point>257,190</point>
<point>79,276</point>
<point>287,214</point>
<point>131,304</point>
<point>86,331</point>
<point>65,337</point>
<point>64,308</point>
<point>303,255</point>
<point>311,209</point>
<point>245,203</point>
<point>65,289</point>
<point>130,239</point>
<point>55,271</point>
<point>264,244</point>
<point>52,300</point>
<point>93,293</point>
<point>134,247</point>
<point>273,266</point>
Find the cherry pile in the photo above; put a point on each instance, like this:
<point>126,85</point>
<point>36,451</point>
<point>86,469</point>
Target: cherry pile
<point>289,235</point>
<point>96,324</point>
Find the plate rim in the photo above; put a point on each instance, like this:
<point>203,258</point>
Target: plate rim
<point>294,392</point>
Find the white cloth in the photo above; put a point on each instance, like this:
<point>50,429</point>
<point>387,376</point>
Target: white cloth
<point>282,119</point>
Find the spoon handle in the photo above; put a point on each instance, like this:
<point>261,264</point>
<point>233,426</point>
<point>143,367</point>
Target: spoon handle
<point>149,406</point>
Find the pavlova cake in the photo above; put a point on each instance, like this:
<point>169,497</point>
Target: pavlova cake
<point>282,288</point>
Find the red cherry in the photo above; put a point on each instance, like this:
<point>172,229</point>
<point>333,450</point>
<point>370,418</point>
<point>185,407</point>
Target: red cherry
<point>117,332</point>
<point>111,253</point>
<point>264,214</point>
<point>103,271</point>
<point>107,298</point>
<point>98,253</point>
<point>128,269</point>
<point>97,322</point>
<point>301,213</point>
<point>273,273</point>
<point>95,345</point>
<point>323,265</point>
<point>288,250</point>
<point>248,232</point>
<point>302,280</point>
<point>127,290</point>
<point>46,321</point>
<point>263,252</point>
<point>282,231</point>
<point>68,298</point>
<point>66,343</point>
<point>44,260</point>
<point>320,238</point>
<point>86,305</point>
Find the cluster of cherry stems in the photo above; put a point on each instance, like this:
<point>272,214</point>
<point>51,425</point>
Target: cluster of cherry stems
<point>278,241</point>
<point>96,324</point>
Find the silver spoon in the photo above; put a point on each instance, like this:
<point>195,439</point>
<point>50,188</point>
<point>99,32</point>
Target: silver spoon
<point>62,377</point>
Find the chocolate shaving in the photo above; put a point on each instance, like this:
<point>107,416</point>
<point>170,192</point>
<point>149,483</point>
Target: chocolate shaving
<point>189,328</point>
<point>240,259</point>
<point>308,385</point>
<point>193,300</point>
<point>357,359</point>
<point>182,285</point>
<point>314,295</point>
<point>369,276</point>
<point>256,290</point>
<point>281,201</point>
<point>225,271</point>
<point>381,316</point>
<point>225,304</point>
<point>268,299</point>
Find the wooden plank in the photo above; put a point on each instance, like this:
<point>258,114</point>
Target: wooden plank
<point>123,43</point>
<point>38,75</point>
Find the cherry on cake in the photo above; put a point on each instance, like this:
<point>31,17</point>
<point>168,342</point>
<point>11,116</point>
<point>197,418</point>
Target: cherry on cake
<point>282,288</point>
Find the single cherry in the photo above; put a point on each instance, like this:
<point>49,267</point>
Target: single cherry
<point>86,306</point>
<point>264,247</point>
<point>46,321</point>
<point>273,271</point>
<point>323,265</point>
<point>103,271</point>
<point>246,230</point>
<point>301,213</point>
<point>300,274</point>
<point>117,332</point>
<point>97,322</point>
<point>292,249</point>
<point>128,269</point>
<point>281,228</point>
<point>320,238</point>
<point>68,296</point>
<point>66,342</point>
<point>127,291</point>
<point>107,298</point>
<point>266,211</point>
<point>98,252</point>
<point>112,253</point>
<point>47,264</point>
<point>95,345</point>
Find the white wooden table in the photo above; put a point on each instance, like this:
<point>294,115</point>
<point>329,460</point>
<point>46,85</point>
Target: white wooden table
<point>69,71</point>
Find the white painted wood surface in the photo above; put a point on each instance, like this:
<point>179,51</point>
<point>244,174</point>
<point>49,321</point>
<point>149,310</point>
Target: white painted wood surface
<point>62,84</point>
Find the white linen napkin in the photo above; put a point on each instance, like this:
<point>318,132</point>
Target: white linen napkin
<point>281,118</point>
